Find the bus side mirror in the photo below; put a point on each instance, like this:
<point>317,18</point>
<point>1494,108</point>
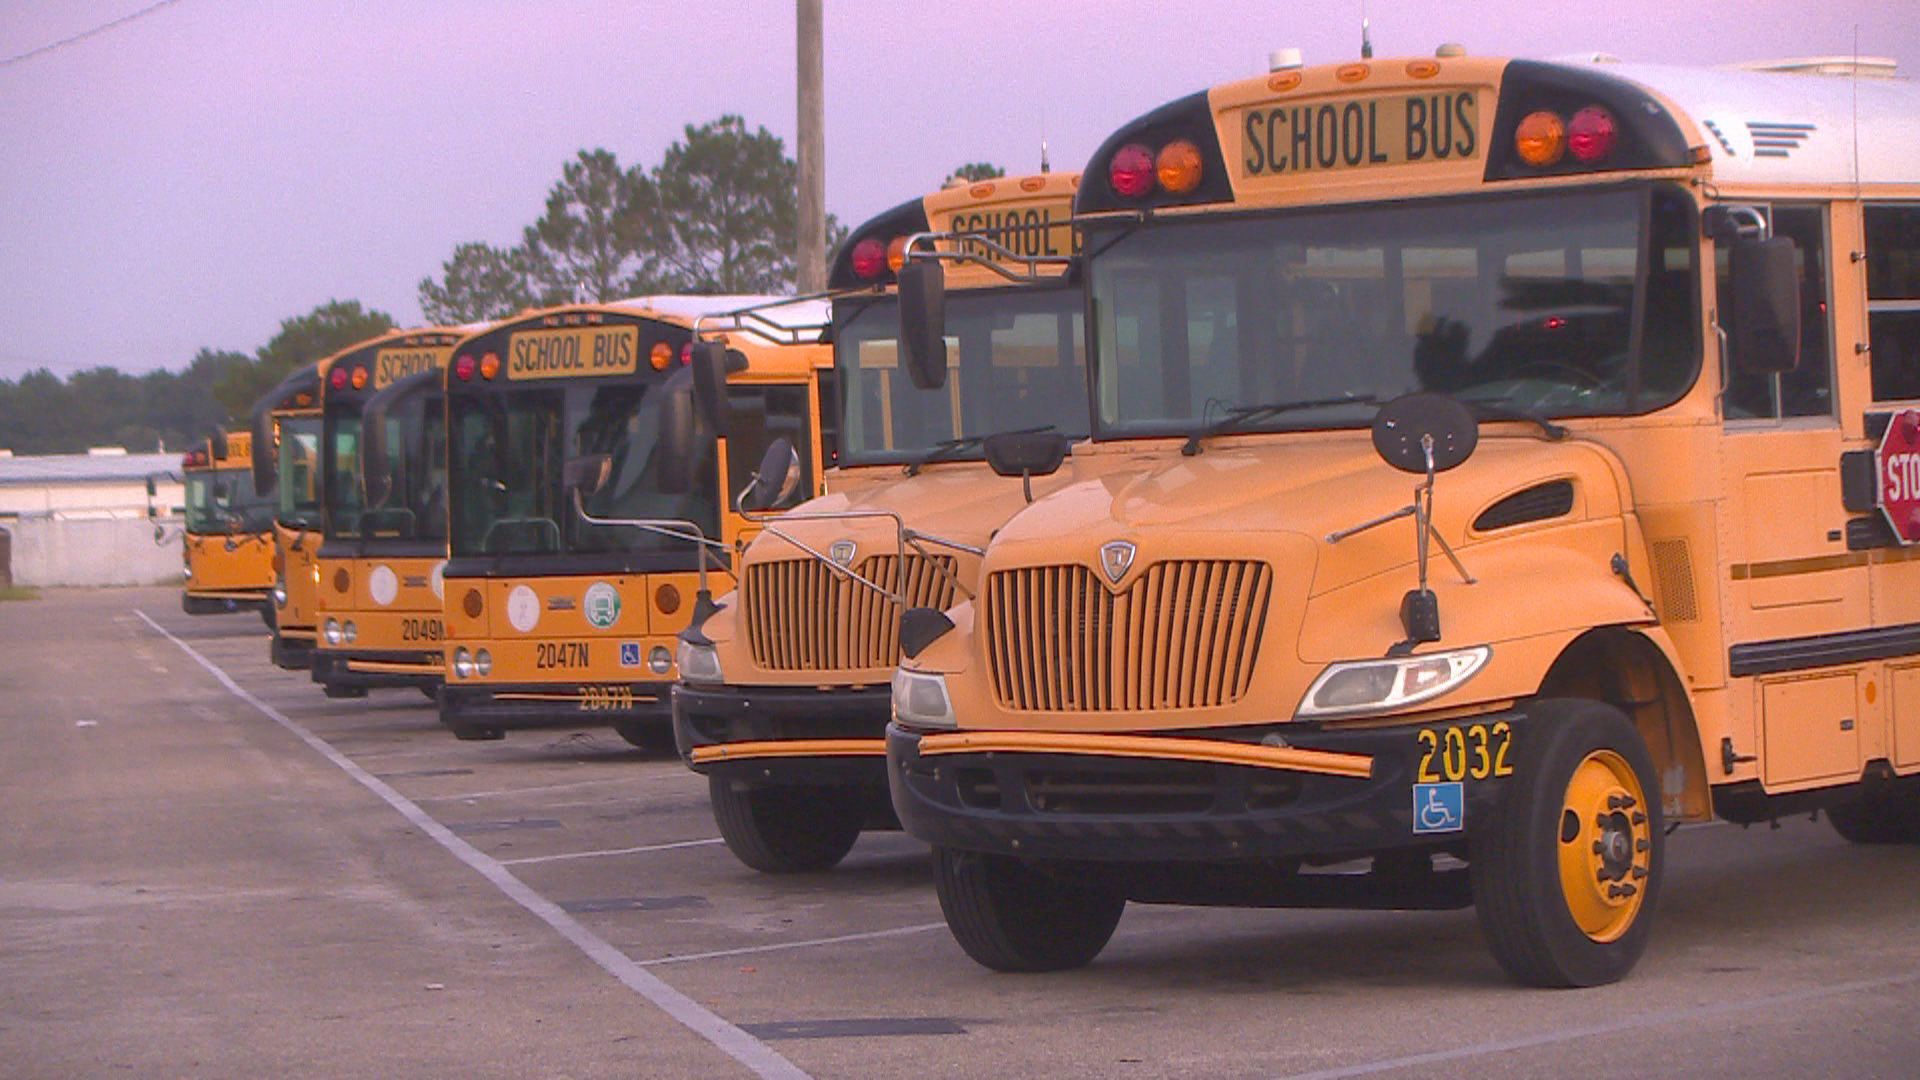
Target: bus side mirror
<point>776,480</point>
<point>1763,325</point>
<point>710,362</point>
<point>265,465</point>
<point>152,490</point>
<point>218,439</point>
<point>923,322</point>
<point>587,473</point>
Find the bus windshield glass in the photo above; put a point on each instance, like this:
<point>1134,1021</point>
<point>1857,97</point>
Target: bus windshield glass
<point>1569,303</point>
<point>1016,359</point>
<point>223,501</point>
<point>299,472</point>
<point>509,449</point>
<point>415,507</point>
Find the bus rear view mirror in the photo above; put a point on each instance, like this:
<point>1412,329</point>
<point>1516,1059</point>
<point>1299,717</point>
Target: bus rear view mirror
<point>587,473</point>
<point>1763,323</point>
<point>218,439</point>
<point>265,467</point>
<point>776,480</point>
<point>152,489</point>
<point>923,323</point>
<point>710,363</point>
<point>1026,454</point>
<point>1408,428</point>
<point>679,433</point>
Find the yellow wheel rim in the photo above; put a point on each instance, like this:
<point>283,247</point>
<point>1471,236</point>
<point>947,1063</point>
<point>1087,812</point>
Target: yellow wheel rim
<point>1606,846</point>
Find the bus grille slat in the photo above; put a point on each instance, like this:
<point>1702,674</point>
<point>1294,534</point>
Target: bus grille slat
<point>1183,635</point>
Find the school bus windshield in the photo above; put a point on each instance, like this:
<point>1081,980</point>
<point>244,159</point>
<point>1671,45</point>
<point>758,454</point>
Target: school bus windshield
<point>222,501</point>
<point>507,455</point>
<point>1016,359</point>
<point>1532,303</point>
<point>416,506</point>
<point>299,494</point>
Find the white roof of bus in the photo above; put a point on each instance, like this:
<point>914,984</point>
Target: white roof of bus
<point>793,314</point>
<point>1775,128</point>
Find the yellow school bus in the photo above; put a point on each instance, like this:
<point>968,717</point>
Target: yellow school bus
<point>287,419</point>
<point>783,698</point>
<point>589,505</point>
<point>1519,462</point>
<point>380,559</point>
<point>227,548</point>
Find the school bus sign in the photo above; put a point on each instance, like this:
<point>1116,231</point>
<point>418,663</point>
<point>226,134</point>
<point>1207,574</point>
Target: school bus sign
<point>1899,470</point>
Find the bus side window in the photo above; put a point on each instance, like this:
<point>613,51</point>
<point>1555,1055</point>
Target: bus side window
<point>1807,390</point>
<point>1893,301</point>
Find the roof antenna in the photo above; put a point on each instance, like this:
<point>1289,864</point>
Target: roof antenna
<point>1045,166</point>
<point>1366,39</point>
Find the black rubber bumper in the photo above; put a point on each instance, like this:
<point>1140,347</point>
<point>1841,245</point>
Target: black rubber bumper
<point>500,706</point>
<point>291,653</point>
<point>711,716</point>
<point>222,605</point>
<point>1092,808</point>
<point>329,668</point>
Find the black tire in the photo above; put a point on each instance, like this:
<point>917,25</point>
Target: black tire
<point>336,690</point>
<point>1877,819</point>
<point>266,616</point>
<point>476,732</point>
<point>655,736</point>
<point>1009,915</point>
<point>786,830</point>
<point>1534,924</point>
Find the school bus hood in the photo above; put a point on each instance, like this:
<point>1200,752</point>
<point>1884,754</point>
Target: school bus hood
<point>964,502</point>
<point>1172,506</point>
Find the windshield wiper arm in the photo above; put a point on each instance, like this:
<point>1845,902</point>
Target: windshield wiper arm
<point>1493,410</point>
<point>946,448</point>
<point>1241,414</point>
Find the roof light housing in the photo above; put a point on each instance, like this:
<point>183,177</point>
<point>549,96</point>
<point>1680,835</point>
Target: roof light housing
<point>865,258</point>
<point>1168,157</point>
<point>1604,123</point>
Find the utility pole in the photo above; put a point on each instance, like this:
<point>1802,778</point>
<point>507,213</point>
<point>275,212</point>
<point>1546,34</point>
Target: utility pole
<point>810,256</point>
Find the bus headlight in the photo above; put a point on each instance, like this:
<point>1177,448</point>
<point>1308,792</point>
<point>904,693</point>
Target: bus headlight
<point>462,663</point>
<point>280,592</point>
<point>349,631</point>
<point>920,700</point>
<point>699,663</point>
<point>1385,685</point>
<point>660,661</point>
<point>331,630</point>
<point>186,573</point>
<point>482,663</point>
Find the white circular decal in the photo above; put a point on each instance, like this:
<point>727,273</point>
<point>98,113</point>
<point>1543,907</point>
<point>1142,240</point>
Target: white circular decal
<point>601,605</point>
<point>438,580</point>
<point>523,608</point>
<point>383,584</point>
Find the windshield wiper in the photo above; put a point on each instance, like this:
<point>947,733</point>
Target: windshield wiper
<point>946,448</point>
<point>1241,414</point>
<point>1493,410</point>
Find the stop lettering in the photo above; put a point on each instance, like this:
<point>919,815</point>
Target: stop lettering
<point>1899,471</point>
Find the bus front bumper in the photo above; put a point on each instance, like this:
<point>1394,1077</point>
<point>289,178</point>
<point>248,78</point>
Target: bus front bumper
<point>372,670</point>
<point>785,735</point>
<point>513,706</point>
<point>292,649</point>
<point>1191,797</point>
<point>224,601</point>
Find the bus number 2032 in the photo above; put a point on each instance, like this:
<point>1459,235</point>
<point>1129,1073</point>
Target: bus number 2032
<point>1465,752</point>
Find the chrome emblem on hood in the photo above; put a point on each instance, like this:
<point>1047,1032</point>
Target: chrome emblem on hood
<point>841,552</point>
<point>1116,558</point>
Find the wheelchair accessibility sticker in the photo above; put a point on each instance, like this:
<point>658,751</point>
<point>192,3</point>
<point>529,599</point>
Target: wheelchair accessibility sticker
<point>1439,808</point>
<point>629,654</point>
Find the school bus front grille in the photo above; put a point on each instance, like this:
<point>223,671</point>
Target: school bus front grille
<point>1184,635</point>
<point>802,616</point>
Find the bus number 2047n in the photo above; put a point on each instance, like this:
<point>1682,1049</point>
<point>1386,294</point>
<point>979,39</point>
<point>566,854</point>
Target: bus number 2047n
<point>560,654</point>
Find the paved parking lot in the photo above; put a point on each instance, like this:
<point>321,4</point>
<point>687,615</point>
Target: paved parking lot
<point>206,868</point>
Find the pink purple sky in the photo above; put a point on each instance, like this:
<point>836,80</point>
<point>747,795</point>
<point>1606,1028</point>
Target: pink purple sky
<point>195,175</point>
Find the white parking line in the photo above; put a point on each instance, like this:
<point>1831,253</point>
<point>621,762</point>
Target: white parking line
<point>611,851</point>
<point>757,1056</point>
<point>1632,1023</point>
<point>900,931</point>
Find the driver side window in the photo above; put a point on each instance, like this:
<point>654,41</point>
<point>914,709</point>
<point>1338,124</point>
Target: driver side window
<point>1808,389</point>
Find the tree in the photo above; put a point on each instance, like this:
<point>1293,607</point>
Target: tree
<point>973,172</point>
<point>719,212</point>
<point>582,249</point>
<point>481,282</point>
<point>302,340</point>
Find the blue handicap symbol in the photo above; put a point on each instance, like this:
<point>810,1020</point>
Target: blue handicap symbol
<point>1439,808</point>
<point>629,654</point>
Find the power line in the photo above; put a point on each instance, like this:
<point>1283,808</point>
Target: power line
<point>85,34</point>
